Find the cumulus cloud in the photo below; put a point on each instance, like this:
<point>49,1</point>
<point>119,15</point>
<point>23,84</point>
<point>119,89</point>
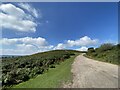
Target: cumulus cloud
<point>23,51</point>
<point>14,18</point>
<point>26,40</point>
<point>83,41</point>
<point>12,10</point>
<point>26,45</point>
<point>60,46</point>
<point>29,45</point>
<point>30,9</point>
<point>83,48</point>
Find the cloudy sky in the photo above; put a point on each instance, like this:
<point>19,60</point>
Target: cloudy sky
<point>29,28</point>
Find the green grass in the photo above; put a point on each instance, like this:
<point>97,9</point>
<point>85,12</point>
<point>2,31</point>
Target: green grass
<point>101,60</point>
<point>105,53</point>
<point>53,78</point>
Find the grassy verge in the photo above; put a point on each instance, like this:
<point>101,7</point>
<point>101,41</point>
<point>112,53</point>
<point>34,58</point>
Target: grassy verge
<point>53,78</point>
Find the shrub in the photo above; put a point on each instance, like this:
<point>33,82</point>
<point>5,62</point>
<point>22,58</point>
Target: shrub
<point>90,51</point>
<point>106,52</point>
<point>52,66</point>
<point>104,47</point>
<point>19,69</point>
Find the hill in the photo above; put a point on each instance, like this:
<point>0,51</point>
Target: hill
<point>106,52</point>
<point>20,69</point>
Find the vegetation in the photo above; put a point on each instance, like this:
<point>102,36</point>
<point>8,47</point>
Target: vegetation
<point>19,69</point>
<point>54,78</point>
<point>106,52</point>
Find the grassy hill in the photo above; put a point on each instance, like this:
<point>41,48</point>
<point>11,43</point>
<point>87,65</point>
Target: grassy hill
<point>53,78</point>
<point>106,53</point>
<point>17,70</point>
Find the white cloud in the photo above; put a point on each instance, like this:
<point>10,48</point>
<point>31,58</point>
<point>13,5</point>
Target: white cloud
<point>30,9</point>
<point>84,41</point>
<point>26,40</point>
<point>15,18</point>
<point>82,49</point>
<point>60,46</point>
<point>29,45</point>
<point>22,51</point>
<point>26,45</point>
<point>12,10</point>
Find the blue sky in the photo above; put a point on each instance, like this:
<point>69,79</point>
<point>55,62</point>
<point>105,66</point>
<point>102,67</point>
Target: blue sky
<point>37,27</point>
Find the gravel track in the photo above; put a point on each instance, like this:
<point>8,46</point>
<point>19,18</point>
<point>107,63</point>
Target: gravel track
<point>89,73</point>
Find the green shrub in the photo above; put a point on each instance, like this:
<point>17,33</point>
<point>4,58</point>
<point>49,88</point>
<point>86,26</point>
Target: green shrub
<point>52,66</point>
<point>90,51</point>
<point>20,69</point>
<point>104,47</point>
<point>106,52</point>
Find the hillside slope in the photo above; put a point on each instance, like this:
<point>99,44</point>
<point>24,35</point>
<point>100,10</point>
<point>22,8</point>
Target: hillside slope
<point>53,78</point>
<point>19,69</point>
<point>106,52</point>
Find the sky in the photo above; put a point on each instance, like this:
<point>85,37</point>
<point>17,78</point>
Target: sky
<point>33,27</point>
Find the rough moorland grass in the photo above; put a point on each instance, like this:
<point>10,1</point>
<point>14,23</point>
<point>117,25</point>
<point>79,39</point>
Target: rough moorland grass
<point>100,59</point>
<point>53,78</point>
<point>105,53</point>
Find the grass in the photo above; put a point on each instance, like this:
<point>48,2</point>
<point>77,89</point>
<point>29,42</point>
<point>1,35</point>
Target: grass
<point>53,78</point>
<point>105,53</point>
<point>100,59</point>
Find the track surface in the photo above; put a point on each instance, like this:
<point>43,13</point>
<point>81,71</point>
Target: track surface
<point>88,73</point>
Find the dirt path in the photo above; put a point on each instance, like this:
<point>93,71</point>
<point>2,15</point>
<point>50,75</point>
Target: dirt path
<point>88,73</point>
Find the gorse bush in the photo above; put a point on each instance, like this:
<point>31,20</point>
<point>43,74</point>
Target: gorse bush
<point>19,69</point>
<point>106,52</point>
<point>104,47</point>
